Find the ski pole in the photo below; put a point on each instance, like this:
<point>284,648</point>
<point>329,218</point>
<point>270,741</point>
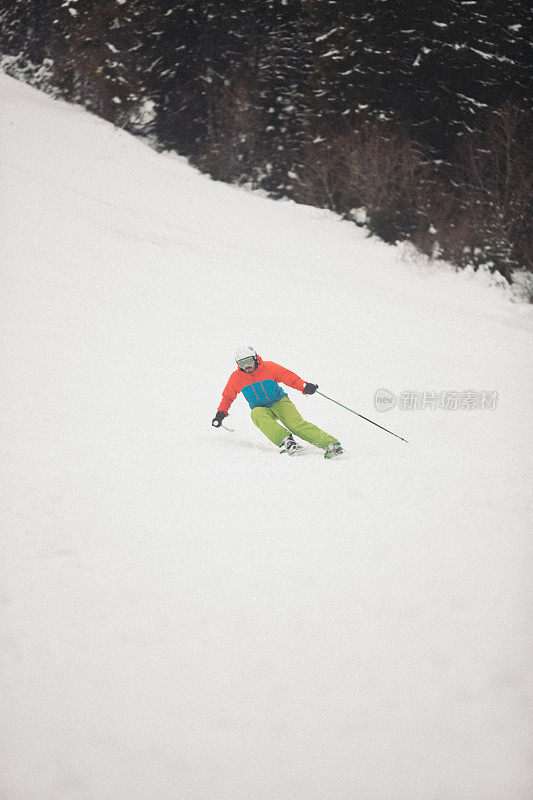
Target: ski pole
<point>226,428</point>
<point>360,415</point>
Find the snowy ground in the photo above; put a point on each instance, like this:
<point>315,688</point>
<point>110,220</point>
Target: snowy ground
<point>187,615</point>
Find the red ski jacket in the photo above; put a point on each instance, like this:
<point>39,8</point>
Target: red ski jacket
<point>260,387</point>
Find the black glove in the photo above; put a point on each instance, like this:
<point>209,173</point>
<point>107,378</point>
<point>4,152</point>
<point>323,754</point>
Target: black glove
<point>219,416</point>
<point>310,388</point>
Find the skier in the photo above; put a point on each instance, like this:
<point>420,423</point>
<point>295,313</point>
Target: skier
<point>258,381</point>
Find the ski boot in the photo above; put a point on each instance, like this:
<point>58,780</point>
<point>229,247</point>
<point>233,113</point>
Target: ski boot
<point>334,450</point>
<point>289,446</point>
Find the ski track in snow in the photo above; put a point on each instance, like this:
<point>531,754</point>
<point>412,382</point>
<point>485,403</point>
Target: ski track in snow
<point>186,614</point>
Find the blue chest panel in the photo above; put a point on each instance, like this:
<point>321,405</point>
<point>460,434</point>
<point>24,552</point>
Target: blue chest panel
<point>263,393</point>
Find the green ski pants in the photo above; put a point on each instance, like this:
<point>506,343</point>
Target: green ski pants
<point>286,412</point>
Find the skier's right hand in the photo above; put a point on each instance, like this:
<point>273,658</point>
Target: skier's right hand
<point>217,422</point>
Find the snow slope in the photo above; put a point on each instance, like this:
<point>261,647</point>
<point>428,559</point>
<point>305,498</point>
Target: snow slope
<point>186,614</point>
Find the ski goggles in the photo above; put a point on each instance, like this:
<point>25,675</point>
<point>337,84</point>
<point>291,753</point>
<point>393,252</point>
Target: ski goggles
<point>249,361</point>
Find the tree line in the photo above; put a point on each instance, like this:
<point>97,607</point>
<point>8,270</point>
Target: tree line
<point>418,113</point>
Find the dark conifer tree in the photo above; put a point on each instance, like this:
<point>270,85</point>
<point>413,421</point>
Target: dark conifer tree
<point>435,65</point>
<point>306,98</point>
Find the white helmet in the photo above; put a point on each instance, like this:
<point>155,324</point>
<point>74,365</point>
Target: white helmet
<point>245,353</point>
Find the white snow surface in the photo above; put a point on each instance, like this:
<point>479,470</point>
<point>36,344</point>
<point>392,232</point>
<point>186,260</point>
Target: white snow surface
<point>185,613</point>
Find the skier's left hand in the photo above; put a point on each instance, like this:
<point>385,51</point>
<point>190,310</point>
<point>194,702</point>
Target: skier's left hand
<point>310,388</point>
